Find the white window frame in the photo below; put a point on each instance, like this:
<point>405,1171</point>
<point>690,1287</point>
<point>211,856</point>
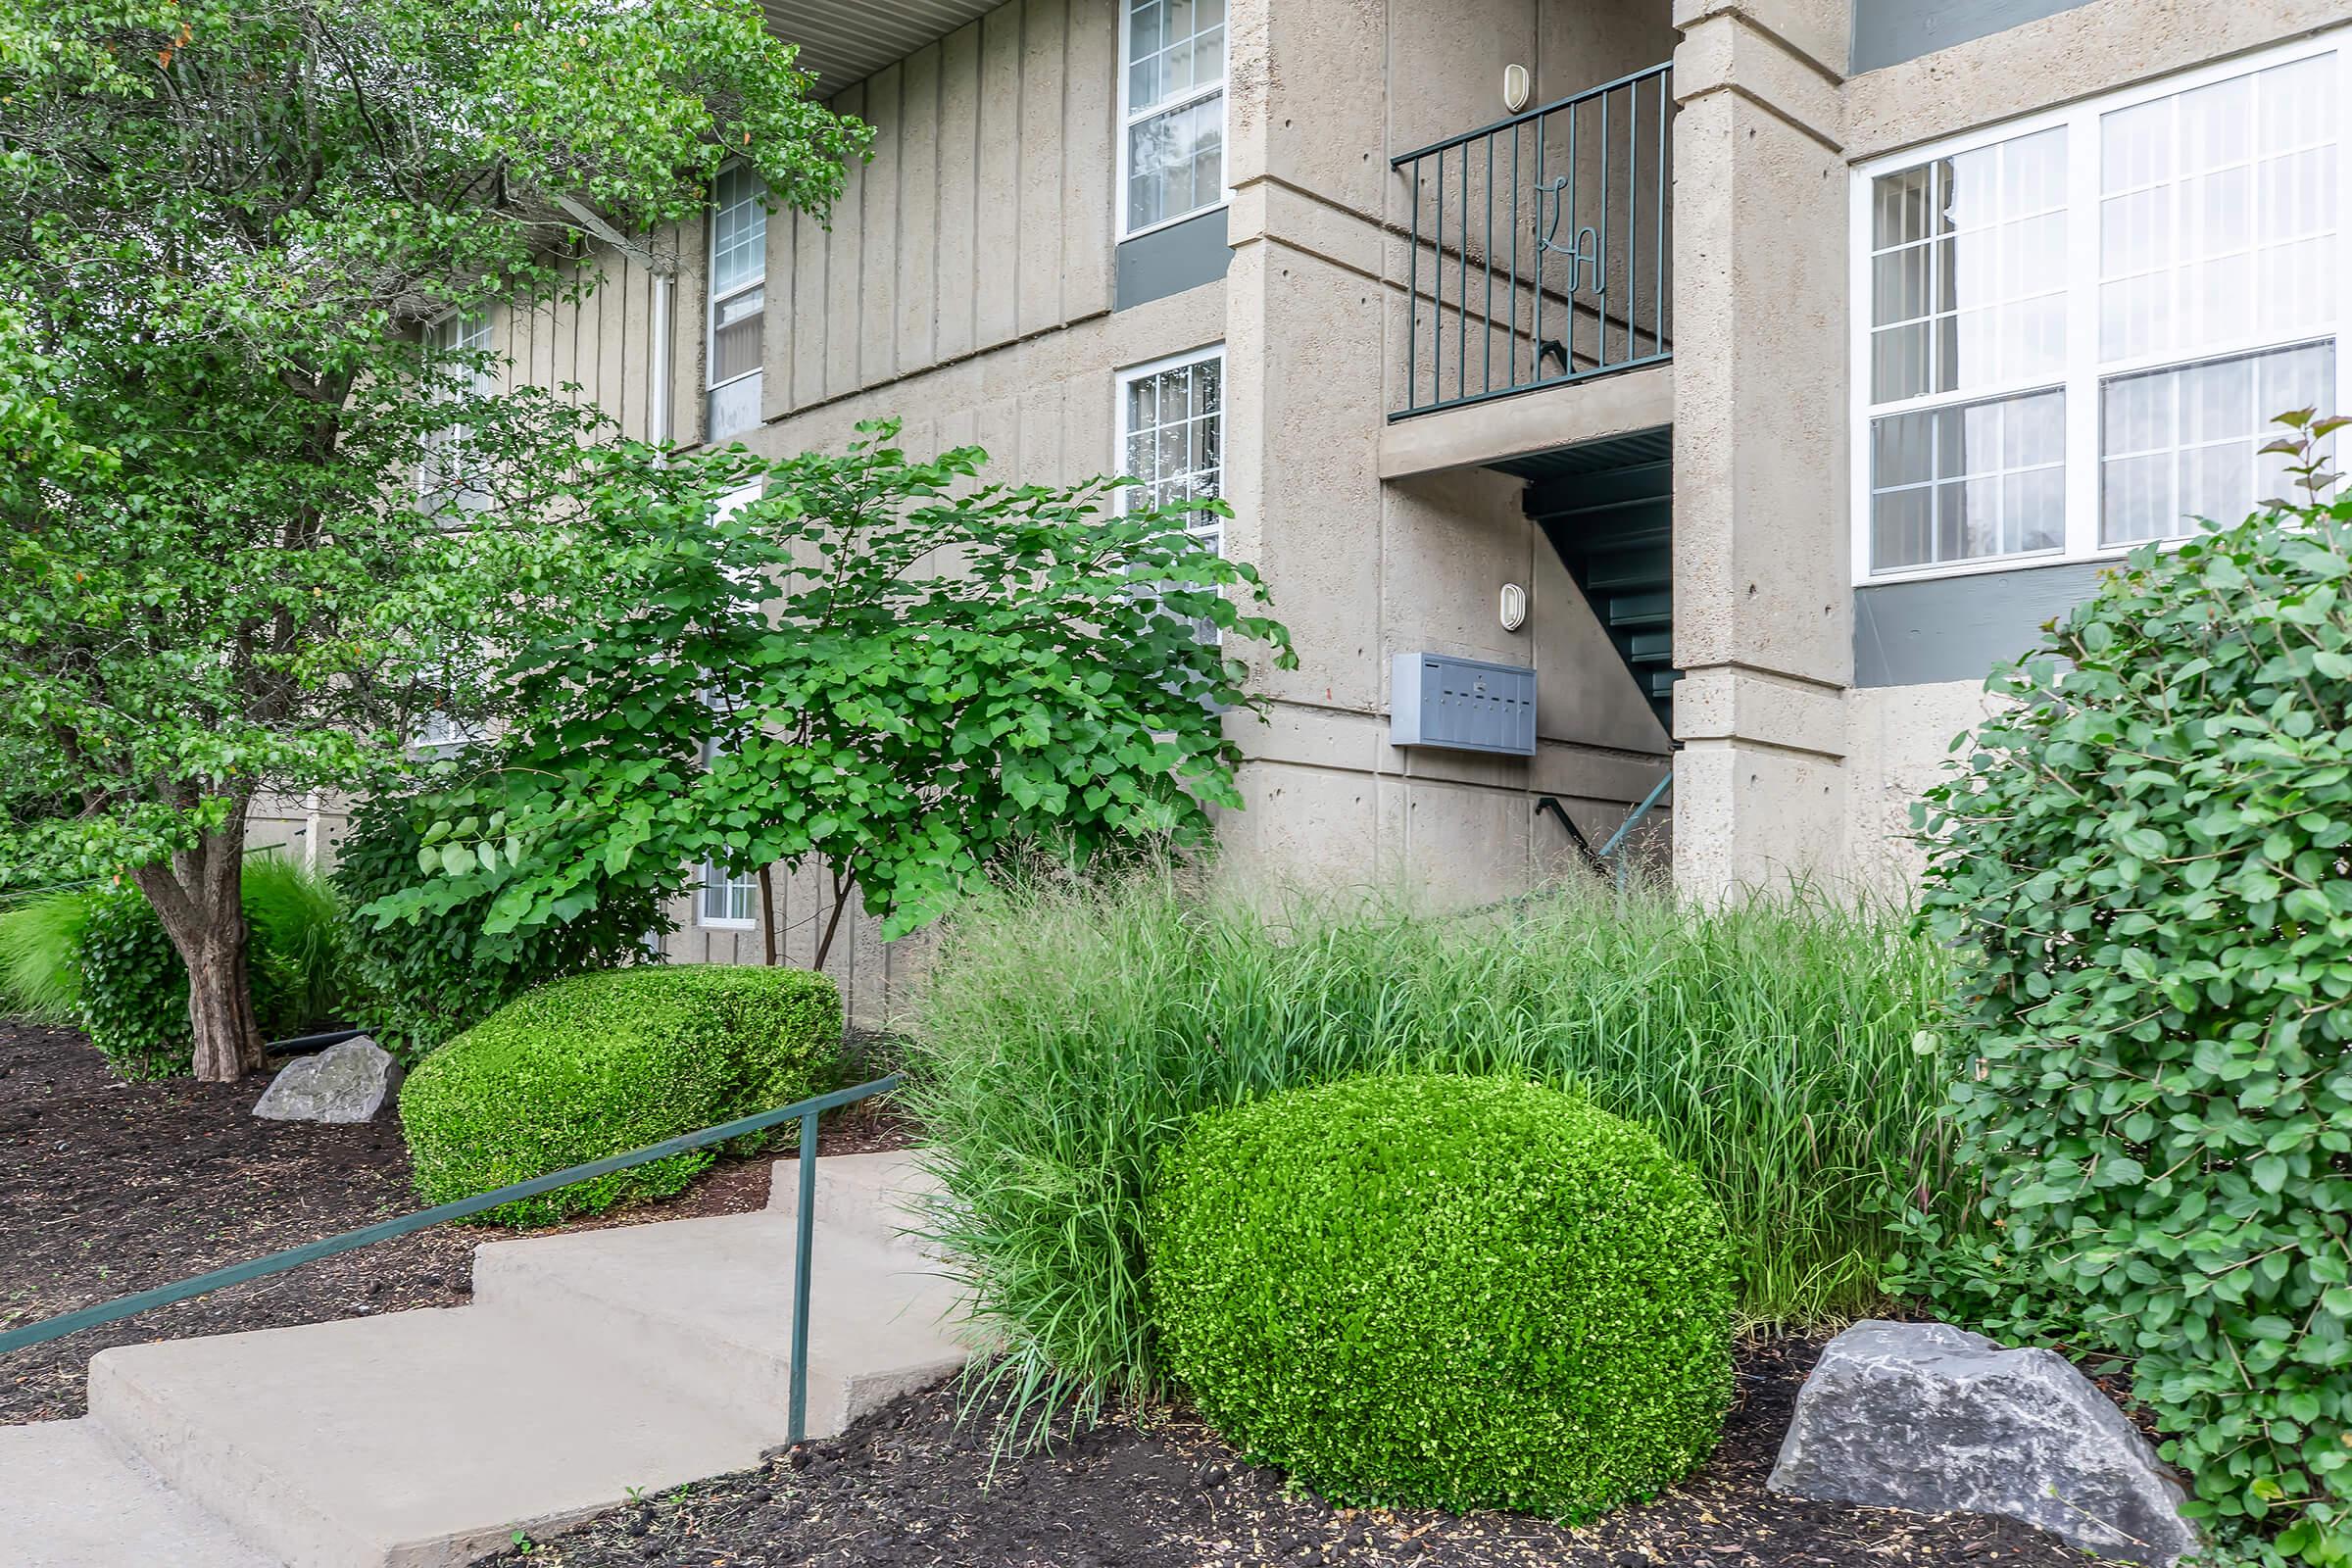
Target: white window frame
<point>2083,374</point>
<point>1127,377</point>
<point>717,879</point>
<point>460,500</point>
<point>713,299</point>
<point>714,876</point>
<point>1130,116</point>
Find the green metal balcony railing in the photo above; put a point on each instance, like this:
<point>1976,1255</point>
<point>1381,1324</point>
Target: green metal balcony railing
<point>1542,246</point>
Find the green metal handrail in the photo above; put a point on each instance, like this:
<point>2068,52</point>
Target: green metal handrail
<point>1568,205</point>
<point>1606,857</point>
<point>805,1111</point>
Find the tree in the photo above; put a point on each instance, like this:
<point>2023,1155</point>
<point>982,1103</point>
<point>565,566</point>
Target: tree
<point>884,666</point>
<point>225,225</point>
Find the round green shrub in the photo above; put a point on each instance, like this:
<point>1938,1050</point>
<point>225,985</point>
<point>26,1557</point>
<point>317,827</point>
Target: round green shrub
<point>603,1063</point>
<point>2140,871</point>
<point>1446,1291</point>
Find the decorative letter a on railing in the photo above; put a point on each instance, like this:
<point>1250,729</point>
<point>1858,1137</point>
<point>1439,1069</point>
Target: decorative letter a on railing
<point>1583,248</point>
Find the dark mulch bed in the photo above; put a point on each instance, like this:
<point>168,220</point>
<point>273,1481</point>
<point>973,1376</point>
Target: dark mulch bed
<point>108,1188</point>
<point>910,1485</point>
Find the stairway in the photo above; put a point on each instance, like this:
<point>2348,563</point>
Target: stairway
<point>1607,508</point>
<point>590,1365</point>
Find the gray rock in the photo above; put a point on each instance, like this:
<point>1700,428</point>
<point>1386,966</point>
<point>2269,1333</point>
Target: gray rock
<point>349,1082</point>
<point>1934,1419</point>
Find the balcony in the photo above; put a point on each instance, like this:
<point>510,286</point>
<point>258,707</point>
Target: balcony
<point>1552,233</point>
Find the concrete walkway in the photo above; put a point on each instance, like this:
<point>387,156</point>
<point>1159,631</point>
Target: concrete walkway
<point>590,1365</point>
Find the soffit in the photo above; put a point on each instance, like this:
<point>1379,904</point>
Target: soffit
<point>846,41</point>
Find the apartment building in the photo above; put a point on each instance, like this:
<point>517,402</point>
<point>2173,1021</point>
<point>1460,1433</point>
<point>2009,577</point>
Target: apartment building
<point>1616,394</point>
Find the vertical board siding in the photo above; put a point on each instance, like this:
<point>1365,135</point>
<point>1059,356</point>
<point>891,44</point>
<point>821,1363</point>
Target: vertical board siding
<point>983,217</point>
<point>918,209</point>
<point>805,330</point>
<point>958,187</point>
<point>1044,63</point>
<point>997,282</point>
<point>879,223</point>
<point>1089,156</point>
<point>845,250</point>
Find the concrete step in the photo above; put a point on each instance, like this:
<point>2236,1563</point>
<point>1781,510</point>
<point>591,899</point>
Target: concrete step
<point>417,1440</point>
<point>70,1498</point>
<point>706,1305</point>
<point>875,1196</point>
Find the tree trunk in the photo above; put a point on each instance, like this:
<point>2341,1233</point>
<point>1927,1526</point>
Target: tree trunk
<point>198,897</point>
<point>844,883</point>
<point>767,913</point>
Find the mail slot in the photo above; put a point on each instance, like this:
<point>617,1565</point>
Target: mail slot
<point>1463,705</point>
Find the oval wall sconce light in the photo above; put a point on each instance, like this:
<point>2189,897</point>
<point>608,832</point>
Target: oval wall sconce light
<point>1513,609</point>
<point>1514,89</point>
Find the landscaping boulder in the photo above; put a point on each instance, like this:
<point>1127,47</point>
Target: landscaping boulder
<point>1934,1419</point>
<point>349,1082</point>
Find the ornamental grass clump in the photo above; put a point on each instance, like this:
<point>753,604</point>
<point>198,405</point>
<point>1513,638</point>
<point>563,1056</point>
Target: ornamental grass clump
<point>1067,1031</point>
<point>1445,1291</point>
<point>604,1064</point>
<point>2142,869</point>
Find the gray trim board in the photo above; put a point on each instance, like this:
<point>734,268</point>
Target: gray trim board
<point>1887,32</point>
<point>1168,261</point>
<point>1957,628</point>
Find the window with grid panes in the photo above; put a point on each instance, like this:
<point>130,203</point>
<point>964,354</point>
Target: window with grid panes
<point>2080,329</point>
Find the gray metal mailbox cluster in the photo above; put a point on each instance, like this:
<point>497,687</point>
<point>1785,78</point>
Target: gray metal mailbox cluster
<point>1463,705</point>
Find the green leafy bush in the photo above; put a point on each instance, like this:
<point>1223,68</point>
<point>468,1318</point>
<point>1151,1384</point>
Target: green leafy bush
<point>1445,1291</point>
<point>40,977</point>
<point>135,989</point>
<point>132,987</point>
<point>603,1063</point>
<point>432,975</point>
<point>2143,871</point>
<point>1066,1031</point>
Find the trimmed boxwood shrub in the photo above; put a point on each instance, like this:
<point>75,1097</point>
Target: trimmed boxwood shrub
<point>2140,867</point>
<point>604,1064</point>
<point>1448,1292</point>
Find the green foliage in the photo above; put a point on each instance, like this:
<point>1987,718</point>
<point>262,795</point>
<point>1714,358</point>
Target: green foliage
<point>1445,1291</point>
<point>40,974</point>
<point>424,979</point>
<point>603,1063</point>
<point>1065,1033</point>
<point>219,263</point>
<point>134,991</point>
<point>2141,865</point>
<point>804,680</point>
<point>130,990</point>
<point>223,228</point>
<point>298,953</point>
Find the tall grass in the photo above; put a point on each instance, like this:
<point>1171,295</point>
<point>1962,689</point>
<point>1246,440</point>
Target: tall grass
<point>1065,1033</point>
<point>297,951</point>
<point>298,940</point>
<point>40,978</point>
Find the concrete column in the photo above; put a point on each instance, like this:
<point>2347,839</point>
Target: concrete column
<point>1763,611</point>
